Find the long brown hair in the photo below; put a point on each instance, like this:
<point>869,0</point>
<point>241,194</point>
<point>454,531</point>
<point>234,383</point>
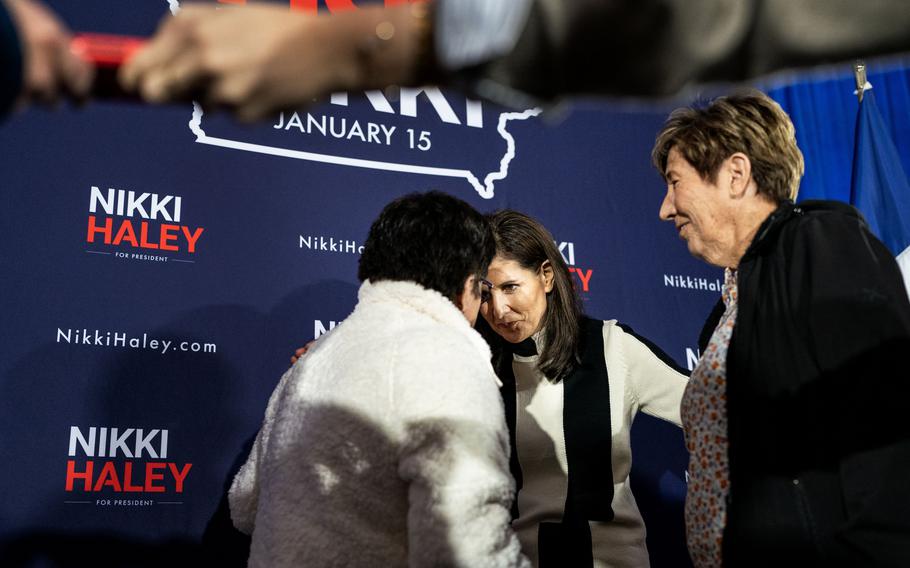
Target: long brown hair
<point>523,239</point>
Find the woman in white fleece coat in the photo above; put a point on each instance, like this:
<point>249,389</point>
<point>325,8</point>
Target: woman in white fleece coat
<point>386,445</point>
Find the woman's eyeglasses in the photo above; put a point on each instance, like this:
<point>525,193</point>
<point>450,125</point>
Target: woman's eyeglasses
<point>486,289</point>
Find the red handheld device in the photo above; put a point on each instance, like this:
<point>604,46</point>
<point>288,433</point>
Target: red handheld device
<point>107,52</point>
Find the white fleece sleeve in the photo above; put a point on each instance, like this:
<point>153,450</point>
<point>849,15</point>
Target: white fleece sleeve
<point>454,457</point>
<point>243,495</point>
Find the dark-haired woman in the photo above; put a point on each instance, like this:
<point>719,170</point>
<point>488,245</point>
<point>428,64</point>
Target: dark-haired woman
<point>572,386</point>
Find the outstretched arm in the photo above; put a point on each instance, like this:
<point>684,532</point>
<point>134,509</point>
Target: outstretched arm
<point>260,59</point>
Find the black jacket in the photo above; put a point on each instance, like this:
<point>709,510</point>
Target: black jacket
<point>817,391</point>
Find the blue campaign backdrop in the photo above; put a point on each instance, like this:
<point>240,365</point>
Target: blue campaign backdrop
<point>161,265</point>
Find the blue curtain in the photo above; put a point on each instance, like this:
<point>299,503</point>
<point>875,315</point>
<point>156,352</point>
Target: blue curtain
<point>824,108</point>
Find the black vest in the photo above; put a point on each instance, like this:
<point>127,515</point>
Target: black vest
<point>588,433</point>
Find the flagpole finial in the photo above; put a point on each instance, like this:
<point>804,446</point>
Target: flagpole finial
<point>862,83</point>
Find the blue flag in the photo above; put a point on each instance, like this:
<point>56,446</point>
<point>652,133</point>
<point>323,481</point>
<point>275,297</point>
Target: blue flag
<point>879,188</point>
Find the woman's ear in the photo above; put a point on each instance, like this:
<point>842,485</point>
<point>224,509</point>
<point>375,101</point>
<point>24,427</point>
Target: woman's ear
<point>547,276</point>
<point>740,167</point>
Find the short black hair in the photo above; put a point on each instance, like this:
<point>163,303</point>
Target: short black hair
<point>433,239</point>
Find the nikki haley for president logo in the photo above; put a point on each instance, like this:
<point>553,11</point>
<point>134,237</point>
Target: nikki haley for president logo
<point>140,225</point>
<point>123,467</point>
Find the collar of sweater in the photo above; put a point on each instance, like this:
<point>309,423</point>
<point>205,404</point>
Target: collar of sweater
<point>529,349</point>
<point>427,302</point>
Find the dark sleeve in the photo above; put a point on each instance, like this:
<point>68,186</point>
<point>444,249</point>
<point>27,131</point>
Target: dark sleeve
<point>655,47</point>
<point>10,61</point>
<point>843,382</point>
<point>825,365</point>
<point>859,333</point>
<point>854,281</point>
<point>858,314</point>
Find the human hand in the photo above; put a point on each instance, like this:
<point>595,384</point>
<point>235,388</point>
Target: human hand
<point>49,68</point>
<point>256,60</point>
<point>301,351</point>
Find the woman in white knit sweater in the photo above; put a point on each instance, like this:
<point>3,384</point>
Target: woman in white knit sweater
<point>572,386</point>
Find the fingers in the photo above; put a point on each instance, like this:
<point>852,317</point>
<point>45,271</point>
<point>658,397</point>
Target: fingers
<point>301,351</point>
<point>253,112</point>
<point>40,79</point>
<point>77,75</point>
<point>43,40</point>
<point>50,69</point>
<point>234,90</point>
<point>251,60</point>
<point>170,66</point>
<point>177,80</point>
